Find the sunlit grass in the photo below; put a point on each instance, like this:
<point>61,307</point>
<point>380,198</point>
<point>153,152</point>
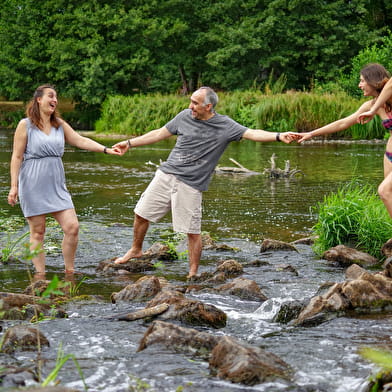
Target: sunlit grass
<point>353,216</point>
<point>290,111</point>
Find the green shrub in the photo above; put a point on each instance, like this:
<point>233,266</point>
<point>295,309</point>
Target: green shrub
<point>378,53</point>
<point>353,216</point>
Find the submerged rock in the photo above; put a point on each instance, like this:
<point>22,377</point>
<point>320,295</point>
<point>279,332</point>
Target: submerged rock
<point>243,288</point>
<point>15,306</point>
<point>22,338</point>
<point>274,245</point>
<point>242,363</point>
<point>229,359</point>
<point>177,337</point>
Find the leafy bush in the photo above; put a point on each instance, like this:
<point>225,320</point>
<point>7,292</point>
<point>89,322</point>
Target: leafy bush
<point>354,216</point>
<point>378,53</point>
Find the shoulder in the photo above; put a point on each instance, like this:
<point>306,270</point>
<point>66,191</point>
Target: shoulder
<point>367,105</point>
<point>23,124</point>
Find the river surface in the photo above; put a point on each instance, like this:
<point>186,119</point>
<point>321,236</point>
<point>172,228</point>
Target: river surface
<point>237,210</point>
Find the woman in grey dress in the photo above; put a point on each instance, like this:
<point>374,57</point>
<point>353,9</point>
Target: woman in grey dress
<point>37,173</point>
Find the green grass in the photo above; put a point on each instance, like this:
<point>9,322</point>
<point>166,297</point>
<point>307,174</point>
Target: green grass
<point>353,216</point>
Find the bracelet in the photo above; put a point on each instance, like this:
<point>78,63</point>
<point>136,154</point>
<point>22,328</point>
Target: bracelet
<point>105,150</point>
<point>129,143</point>
<point>278,137</point>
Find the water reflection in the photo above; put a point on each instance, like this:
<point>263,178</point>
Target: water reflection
<point>106,188</point>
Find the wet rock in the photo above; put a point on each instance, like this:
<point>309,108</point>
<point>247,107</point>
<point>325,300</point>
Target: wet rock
<point>16,379</point>
<point>286,268</point>
<point>11,300</point>
<point>363,292</point>
<point>256,263</point>
<point>52,389</point>
<point>161,252</point>
<point>388,267</point>
<point>270,244</point>
<point>140,314</point>
<point>386,249</point>
<point>230,268</point>
<point>242,363</point>
<point>157,251</point>
<point>143,289</point>
<point>345,256</point>
<point>305,241</point>
<point>188,311</point>
<point>216,278</point>
<point>289,311</point>
<point>243,288</point>
<point>14,306</point>
<point>177,337</point>
<point>139,265</point>
<point>379,382</point>
<point>207,244</point>
<point>22,338</point>
<point>13,374</point>
<point>203,277</point>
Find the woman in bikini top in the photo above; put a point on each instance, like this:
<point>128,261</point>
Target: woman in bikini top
<point>373,78</point>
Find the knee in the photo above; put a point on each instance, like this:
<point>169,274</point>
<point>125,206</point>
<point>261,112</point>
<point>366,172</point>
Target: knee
<point>72,229</point>
<point>384,192</point>
<point>37,234</point>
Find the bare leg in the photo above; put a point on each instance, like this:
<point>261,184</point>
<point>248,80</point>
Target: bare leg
<point>70,225</point>
<point>140,227</point>
<point>385,188</point>
<point>37,234</point>
<point>194,248</point>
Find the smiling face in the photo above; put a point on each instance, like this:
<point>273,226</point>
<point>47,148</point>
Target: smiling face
<point>200,111</point>
<point>48,101</point>
<point>368,90</point>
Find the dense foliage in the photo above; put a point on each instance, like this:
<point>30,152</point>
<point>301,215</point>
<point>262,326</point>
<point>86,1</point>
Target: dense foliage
<point>95,48</point>
<point>353,216</point>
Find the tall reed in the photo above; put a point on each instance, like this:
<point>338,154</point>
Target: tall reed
<point>291,111</point>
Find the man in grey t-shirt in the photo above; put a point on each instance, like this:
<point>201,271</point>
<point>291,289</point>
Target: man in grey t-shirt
<point>202,137</point>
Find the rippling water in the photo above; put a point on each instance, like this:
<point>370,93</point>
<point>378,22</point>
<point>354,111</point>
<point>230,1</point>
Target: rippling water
<point>238,211</point>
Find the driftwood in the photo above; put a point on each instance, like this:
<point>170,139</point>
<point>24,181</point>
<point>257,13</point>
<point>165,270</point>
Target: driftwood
<point>143,313</point>
<point>234,170</point>
<point>275,172</point>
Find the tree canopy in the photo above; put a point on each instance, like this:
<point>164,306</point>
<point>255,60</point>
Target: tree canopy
<point>95,48</point>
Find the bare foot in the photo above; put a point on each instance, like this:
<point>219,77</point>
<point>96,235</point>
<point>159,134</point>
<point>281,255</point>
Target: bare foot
<point>39,276</point>
<point>131,254</point>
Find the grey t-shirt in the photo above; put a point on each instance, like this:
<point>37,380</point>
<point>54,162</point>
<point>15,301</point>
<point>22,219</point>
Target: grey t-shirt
<point>200,144</point>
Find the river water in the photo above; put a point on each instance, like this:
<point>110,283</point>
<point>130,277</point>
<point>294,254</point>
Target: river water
<point>237,210</point>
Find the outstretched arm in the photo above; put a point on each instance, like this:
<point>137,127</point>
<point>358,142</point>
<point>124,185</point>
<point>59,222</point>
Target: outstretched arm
<point>148,138</point>
<point>385,94</point>
<point>259,135</point>
<point>74,139</point>
<point>336,126</point>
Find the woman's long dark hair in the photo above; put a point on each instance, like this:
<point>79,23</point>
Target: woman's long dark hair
<point>377,76</point>
<point>32,109</point>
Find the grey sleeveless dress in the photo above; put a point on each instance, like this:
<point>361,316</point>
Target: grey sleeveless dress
<point>42,186</point>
